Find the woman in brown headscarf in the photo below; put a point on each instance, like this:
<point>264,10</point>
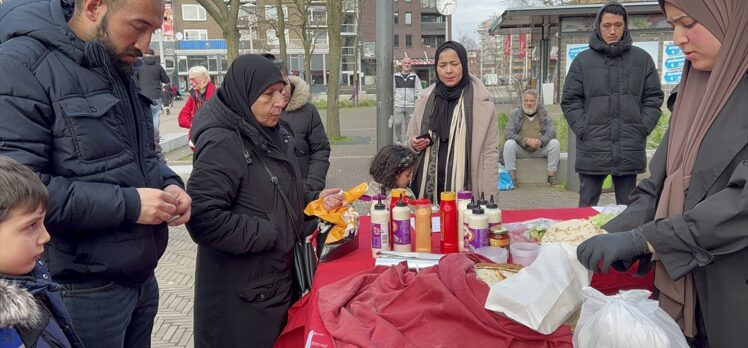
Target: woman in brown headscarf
<point>692,212</point>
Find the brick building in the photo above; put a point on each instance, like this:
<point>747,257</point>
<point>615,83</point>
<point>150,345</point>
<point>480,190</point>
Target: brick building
<point>418,30</point>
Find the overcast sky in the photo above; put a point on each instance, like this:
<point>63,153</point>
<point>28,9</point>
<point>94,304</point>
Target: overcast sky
<point>470,13</point>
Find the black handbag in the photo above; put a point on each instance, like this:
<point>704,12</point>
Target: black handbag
<point>305,259</point>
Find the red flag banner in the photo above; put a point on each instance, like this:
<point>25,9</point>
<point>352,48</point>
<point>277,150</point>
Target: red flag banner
<point>522,45</point>
<point>508,45</point>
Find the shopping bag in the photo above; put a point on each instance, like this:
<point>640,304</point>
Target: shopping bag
<point>505,180</point>
<point>337,232</point>
<point>629,319</point>
<point>545,294</point>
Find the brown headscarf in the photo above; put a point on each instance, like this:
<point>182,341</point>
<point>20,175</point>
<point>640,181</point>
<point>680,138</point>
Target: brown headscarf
<point>700,99</point>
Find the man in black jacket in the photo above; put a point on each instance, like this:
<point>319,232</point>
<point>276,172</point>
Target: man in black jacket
<point>72,112</point>
<point>611,100</point>
<point>150,77</point>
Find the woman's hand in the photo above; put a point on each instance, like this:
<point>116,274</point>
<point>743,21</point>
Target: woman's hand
<point>332,198</point>
<point>419,144</point>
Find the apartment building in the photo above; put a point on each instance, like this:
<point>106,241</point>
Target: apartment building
<point>418,30</point>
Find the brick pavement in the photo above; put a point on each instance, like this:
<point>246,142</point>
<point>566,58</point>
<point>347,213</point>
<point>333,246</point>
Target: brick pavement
<point>349,166</point>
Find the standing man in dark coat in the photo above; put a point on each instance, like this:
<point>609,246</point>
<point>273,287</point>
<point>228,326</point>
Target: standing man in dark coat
<point>150,77</point>
<point>73,113</point>
<point>611,100</point>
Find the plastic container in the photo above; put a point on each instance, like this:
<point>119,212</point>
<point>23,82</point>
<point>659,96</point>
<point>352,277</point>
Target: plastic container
<point>482,202</point>
<point>524,253</point>
<point>423,225</point>
<point>448,215</point>
<point>479,228</point>
<point>463,199</point>
<point>401,226</point>
<point>466,233</point>
<point>498,255</point>
<point>494,214</point>
<point>498,237</point>
<point>380,228</point>
<point>396,194</point>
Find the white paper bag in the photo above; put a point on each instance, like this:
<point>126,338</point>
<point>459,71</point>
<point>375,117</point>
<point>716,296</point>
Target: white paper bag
<point>545,294</point>
<point>629,319</point>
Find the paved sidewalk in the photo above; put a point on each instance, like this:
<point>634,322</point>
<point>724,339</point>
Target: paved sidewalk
<point>349,167</point>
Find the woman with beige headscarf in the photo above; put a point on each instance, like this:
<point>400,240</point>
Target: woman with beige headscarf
<point>692,212</point>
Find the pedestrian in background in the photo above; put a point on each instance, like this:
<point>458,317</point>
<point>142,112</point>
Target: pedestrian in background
<point>151,76</point>
<point>611,100</point>
<point>201,90</point>
<point>407,87</point>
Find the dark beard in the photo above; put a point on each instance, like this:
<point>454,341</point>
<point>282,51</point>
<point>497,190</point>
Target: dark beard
<point>123,69</point>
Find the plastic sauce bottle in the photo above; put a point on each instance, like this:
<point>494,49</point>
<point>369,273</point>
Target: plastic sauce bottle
<point>380,223</point>
<point>423,225</point>
<point>374,200</point>
<point>494,215</point>
<point>448,214</point>
<point>466,233</point>
<point>463,199</point>
<point>482,202</point>
<point>401,226</point>
<point>396,194</point>
<point>479,229</point>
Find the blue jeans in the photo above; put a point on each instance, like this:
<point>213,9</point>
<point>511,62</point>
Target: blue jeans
<point>106,314</point>
<point>156,112</point>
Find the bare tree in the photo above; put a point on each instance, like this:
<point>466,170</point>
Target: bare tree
<point>280,31</point>
<point>300,18</point>
<point>467,42</point>
<point>334,20</point>
<point>226,14</point>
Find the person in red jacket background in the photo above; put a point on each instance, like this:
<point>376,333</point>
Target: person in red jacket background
<point>201,90</point>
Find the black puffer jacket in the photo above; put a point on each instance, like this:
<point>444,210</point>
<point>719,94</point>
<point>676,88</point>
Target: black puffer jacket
<point>312,145</point>
<point>611,100</point>
<point>150,77</point>
<point>65,113</point>
<point>244,235</point>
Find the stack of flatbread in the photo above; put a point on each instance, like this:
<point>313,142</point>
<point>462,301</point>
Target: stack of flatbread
<point>492,273</point>
<point>570,231</point>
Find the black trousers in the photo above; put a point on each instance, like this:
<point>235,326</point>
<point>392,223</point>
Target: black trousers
<point>590,187</point>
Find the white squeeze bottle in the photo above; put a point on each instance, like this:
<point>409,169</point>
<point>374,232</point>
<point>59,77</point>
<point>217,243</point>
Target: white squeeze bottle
<point>380,234</point>
<point>466,233</point>
<point>494,214</point>
<point>463,199</point>
<point>401,226</point>
<point>482,202</point>
<point>479,229</point>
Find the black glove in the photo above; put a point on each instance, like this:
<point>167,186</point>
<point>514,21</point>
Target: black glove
<point>611,247</point>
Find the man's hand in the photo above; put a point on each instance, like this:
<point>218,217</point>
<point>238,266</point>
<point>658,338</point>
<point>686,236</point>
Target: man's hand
<point>534,143</point>
<point>156,206</point>
<point>332,198</point>
<point>184,205</point>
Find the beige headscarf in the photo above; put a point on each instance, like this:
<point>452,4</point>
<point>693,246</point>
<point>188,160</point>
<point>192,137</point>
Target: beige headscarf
<point>701,96</point>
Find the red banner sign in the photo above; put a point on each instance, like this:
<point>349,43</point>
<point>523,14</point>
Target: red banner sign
<point>522,45</point>
<point>508,45</point>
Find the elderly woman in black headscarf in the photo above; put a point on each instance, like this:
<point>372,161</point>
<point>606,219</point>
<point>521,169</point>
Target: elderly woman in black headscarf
<point>454,126</point>
<point>244,223</point>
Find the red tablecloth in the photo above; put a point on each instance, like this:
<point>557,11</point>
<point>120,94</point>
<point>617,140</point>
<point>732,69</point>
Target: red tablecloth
<point>305,327</point>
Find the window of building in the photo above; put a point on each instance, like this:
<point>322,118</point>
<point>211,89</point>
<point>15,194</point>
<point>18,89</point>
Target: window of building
<point>272,14</point>
<point>432,18</point>
<point>396,41</point>
<point>196,34</point>
<point>397,17</point>
<point>408,18</point>
<point>407,0</point>
<point>432,40</point>
<point>193,12</point>
<point>318,37</point>
<point>317,15</point>
<point>272,39</point>
<point>408,41</point>
<point>428,3</point>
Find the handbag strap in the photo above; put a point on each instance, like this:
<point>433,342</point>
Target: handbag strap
<point>276,183</point>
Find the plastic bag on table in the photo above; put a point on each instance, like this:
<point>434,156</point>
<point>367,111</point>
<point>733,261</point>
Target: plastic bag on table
<point>505,180</point>
<point>629,319</point>
<point>337,231</point>
<point>530,231</point>
<point>545,294</point>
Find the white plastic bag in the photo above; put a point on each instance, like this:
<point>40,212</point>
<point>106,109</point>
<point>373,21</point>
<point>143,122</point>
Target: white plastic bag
<point>545,294</point>
<point>629,319</point>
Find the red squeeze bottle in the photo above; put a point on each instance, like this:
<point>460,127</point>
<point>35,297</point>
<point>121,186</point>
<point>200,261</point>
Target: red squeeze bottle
<point>448,213</point>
